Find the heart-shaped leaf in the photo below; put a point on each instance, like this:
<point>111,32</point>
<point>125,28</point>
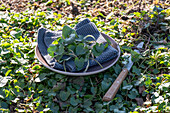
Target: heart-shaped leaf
<point>99,47</point>
<point>66,31</point>
<point>95,53</point>
<point>51,50</point>
<point>71,47</point>
<point>79,63</point>
<point>64,95</point>
<point>74,101</point>
<point>136,70</point>
<point>80,49</point>
<point>60,50</point>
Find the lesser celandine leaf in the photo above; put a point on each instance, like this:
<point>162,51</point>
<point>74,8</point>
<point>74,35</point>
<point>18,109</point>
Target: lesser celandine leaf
<point>70,40</point>
<point>64,95</point>
<point>80,50</point>
<point>73,101</point>
<point>4,105</point>
<point>60,50</point>
<point>36,67</point>
<point>55,42</point>
<point>105,84</point>
<point>128,87</point>
<point>72,47</point>
<point>99,47</point>
<point>79,63</point>
<point>79,81</point>
<point>66,31</point>
<point>40,78</point>
<point>87,103</point>
<point>95,53</point>
<point>117,68</point>
<point>51,50</point>
<point>136,70</point>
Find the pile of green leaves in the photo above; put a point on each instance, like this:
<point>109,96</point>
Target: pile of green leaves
<point>77,48</point>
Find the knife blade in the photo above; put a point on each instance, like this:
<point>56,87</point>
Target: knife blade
<point>110,94</point>
<point>130,63</point>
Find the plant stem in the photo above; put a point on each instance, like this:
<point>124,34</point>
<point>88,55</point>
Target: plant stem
<point>97,62</point>
<point>151,34</point>
<point>163,67</point>
<point>142,62</point>
<point>147,43</point>
<point>87,66</point>
<point>72,53</point>
<point>91,82</point>
<point>90,36</point>
<point>146,69</point>
<point>64,65</point>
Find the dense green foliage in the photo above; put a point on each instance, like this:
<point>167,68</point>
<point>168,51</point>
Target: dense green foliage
<point>26,85</point>
<point>77,48</point>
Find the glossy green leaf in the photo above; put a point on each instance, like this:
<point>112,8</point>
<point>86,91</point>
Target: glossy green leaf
<point>79,63</point>
<point>36,67</point>
<point>55,42</point>
<point>105,84</point>
<point>70,39</point>
<point>66,31</point>
<point>51,50</point>
<point>60,50</point>
<point>87,103</point>
<point>155,71</point>
<point>73,101</point>
<point>128,87</point>
<point>40,78</point>
<point>98,107</point>
<point>133,94</point>
<point>80,38</point>
<point>99,47</point>
<point>117,68</point>
<point>72,47</point>
<point>95,52</point>
<point>136,70</point>
<point>79,81</point>
<point>64,95</point>
<point>80,50</point>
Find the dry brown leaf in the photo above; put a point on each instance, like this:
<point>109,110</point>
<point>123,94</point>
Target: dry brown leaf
<point>141,89</point>
<point>139,101</point>
<point>147,97</point>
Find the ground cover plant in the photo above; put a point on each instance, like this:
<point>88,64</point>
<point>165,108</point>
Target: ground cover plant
<point>27,86</point>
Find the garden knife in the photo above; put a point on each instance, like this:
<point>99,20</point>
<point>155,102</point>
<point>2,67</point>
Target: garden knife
<point>117,83</point>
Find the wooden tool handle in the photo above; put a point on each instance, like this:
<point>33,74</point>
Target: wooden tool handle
<point>115,86</point>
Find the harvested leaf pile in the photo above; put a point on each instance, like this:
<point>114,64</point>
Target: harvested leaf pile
<point>27,86</point>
